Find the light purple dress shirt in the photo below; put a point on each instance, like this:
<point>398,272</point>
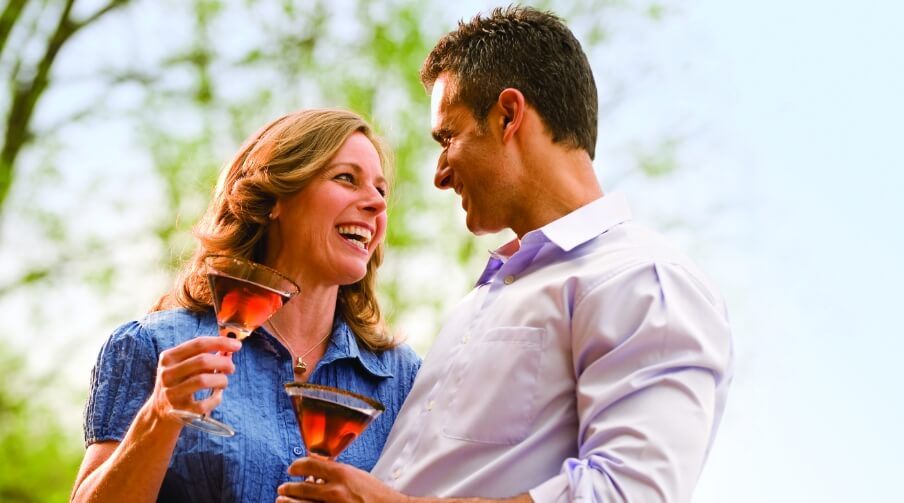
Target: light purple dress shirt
<point>593,366</point>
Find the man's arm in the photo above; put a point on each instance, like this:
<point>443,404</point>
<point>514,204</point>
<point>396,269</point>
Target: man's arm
<point>651,351</point>
<point>346,484</point>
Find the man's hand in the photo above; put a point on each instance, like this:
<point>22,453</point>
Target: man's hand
<point>341,483</point>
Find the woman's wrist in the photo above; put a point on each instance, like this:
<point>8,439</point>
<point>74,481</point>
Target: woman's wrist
<point>153,418</point>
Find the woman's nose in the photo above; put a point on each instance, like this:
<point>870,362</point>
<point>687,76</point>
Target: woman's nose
<point>375,201</point>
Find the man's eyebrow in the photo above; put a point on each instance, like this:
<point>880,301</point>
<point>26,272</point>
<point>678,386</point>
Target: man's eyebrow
<point>441,133</point>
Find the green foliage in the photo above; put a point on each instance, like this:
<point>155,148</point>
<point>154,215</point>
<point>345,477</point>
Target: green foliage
<point>659,162</point>
<point>38,460</point>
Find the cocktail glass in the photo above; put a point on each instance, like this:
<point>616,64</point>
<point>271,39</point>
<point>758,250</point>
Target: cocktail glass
<point>245,295</point>
<point>330,418</point>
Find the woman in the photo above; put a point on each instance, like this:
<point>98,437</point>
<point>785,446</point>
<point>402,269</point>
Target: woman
<point>306,195</point>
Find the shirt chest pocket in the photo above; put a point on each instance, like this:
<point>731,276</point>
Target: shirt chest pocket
<point>495,386</point>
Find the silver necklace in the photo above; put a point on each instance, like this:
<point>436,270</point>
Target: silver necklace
<point>300,366</point>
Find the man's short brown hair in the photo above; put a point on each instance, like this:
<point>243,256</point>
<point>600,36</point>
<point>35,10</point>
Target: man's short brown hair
<point>526,49</point>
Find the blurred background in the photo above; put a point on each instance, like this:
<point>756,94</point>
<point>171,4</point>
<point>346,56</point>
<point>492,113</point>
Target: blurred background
<point>762,137</point>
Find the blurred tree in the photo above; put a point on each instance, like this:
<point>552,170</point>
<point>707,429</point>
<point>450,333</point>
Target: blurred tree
<point>29,77</point>
<point>37,461</point>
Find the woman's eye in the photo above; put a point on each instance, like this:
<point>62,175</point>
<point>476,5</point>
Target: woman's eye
<point>345,177</point>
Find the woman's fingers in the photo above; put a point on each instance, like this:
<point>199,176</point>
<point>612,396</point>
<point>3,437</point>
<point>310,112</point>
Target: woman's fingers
<point>174,373</point>
<point>182,396</point>
<point>194,365</point>
<point>198,345</point>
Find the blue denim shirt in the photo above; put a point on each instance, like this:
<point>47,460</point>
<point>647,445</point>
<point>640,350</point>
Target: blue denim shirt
<point>253,463</point>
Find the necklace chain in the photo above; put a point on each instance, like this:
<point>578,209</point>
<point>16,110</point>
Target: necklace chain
<point>300,366</point>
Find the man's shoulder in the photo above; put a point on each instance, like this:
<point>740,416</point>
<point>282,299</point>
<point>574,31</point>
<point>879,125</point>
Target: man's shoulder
<point>630,248</point>
<point>633,250</point>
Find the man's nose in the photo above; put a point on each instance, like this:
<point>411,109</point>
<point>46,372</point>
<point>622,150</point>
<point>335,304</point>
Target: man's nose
<point>442,179</point>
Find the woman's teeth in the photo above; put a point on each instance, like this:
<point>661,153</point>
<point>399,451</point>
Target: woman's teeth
<point>359,236</point>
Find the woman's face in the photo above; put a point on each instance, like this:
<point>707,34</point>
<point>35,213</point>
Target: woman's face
<point>327,232</point>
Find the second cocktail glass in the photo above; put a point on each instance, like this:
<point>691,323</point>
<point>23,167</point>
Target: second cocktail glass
<point>245,295</point>
<point>330,418</point>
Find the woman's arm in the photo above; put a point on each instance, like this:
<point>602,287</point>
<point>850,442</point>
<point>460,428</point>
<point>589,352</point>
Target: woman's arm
<point>133,470</point>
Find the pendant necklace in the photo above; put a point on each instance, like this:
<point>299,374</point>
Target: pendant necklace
<point>300,366</point>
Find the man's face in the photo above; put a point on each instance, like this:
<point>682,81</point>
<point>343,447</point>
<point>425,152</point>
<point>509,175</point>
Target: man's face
<point>472,163</point>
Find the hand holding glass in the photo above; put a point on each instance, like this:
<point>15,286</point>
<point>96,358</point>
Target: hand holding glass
<point>245,295</point>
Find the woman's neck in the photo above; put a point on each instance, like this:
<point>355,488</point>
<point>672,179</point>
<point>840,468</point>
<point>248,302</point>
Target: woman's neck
<point>307,317</point>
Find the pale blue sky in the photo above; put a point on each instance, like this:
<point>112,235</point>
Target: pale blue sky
<point>815,115</point>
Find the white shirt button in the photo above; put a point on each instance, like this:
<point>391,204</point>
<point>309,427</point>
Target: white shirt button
<point>397,473</point>
<point>465,339</point>
<point>430,404</point>
<point>509,279</point>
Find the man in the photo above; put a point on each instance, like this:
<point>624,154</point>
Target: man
<point>591,361</point>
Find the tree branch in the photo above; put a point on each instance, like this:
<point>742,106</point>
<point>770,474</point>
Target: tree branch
<point>8,19</point>
<point>27,94</point>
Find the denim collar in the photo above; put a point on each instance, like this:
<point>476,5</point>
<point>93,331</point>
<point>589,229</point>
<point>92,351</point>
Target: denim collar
<point>343,346</point>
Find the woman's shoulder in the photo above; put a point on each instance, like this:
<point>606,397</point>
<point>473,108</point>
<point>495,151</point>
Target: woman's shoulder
<point>168,325</point>
<point>400,358</point>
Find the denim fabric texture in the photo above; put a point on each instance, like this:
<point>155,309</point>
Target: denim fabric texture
<point>252,464</point>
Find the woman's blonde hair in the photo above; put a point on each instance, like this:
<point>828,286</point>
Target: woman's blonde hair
<point>277,161</point>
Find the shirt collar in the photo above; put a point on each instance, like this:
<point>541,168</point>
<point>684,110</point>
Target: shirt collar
<point>584,223</point>
<point>344,345</point>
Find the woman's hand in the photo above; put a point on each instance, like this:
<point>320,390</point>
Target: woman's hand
<point>201,363</point>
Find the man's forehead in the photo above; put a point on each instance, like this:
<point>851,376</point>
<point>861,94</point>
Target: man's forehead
<point>438,101</point>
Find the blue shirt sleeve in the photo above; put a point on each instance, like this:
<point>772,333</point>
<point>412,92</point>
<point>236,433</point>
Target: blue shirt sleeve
<point>121,381</point>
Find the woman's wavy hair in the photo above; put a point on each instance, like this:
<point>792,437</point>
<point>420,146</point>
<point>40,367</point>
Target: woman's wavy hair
<point>277,161</point>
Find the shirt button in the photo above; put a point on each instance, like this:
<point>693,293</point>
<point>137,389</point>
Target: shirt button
<point>465,339</point>
<point>430,404</point>
<point>508,279</point>
<point>397,473</point>
<point>297,451</point>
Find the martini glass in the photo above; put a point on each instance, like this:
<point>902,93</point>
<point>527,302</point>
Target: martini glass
<point>330,418</point>
<point>245,295</point>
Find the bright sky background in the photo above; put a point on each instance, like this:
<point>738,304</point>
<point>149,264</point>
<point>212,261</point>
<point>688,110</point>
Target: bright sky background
<point>788,119</point>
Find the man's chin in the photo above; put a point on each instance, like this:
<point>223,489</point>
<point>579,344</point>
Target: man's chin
<point>479,229</point>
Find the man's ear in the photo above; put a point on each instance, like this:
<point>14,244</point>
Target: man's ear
<point>511,107</point>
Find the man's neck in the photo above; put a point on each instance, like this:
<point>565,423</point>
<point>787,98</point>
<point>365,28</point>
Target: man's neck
<point>561,181</point>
